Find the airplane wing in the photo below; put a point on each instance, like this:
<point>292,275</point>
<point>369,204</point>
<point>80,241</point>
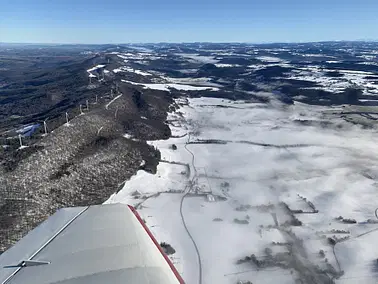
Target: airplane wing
<point>96,244</point>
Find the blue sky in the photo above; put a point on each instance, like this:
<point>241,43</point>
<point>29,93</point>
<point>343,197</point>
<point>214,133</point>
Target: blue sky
<point>123,21</point>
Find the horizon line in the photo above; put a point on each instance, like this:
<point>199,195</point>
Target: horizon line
<point>189,42</point>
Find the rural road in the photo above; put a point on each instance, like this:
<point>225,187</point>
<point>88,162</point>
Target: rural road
<point>188,189</point>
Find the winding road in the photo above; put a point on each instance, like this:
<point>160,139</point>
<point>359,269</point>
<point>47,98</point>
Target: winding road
<point>187,191</point>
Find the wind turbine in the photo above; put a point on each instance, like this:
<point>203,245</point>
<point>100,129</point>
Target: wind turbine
<point>87,105</point>
<point>116,111</point>
<point>98,131</point>
<point>20,138</point>
<point>45,127</point>
<point>67,120</point>
<point>81,110</point>
<point>96,99</point>
<point>21,145</point>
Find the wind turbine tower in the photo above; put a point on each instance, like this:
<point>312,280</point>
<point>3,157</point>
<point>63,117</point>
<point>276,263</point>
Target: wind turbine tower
<point>87,105</point>
<point>67,121</point>
<point>81,110</point>
<point>116,111</point>
<point>20,138</point>
<point>45,126</point>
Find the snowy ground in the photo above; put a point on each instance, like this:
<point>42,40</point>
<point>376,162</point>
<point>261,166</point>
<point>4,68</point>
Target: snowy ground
<point>202,81</point>
<point>195,58</point>
<point>131,70</point>
<point>349,78</point>
<point>167,86</point>
<point>241,194</point>
<point>271,59</point>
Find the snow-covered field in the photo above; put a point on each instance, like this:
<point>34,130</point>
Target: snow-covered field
<point>271,59</point>
<point>350,78</point>
<point>198,58</point>
<point>167,86</point>
<point>256,181</point>
<point>202,81</point>
<point>222,65</point>
<point>131,70</point>
<point>95,68</point>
